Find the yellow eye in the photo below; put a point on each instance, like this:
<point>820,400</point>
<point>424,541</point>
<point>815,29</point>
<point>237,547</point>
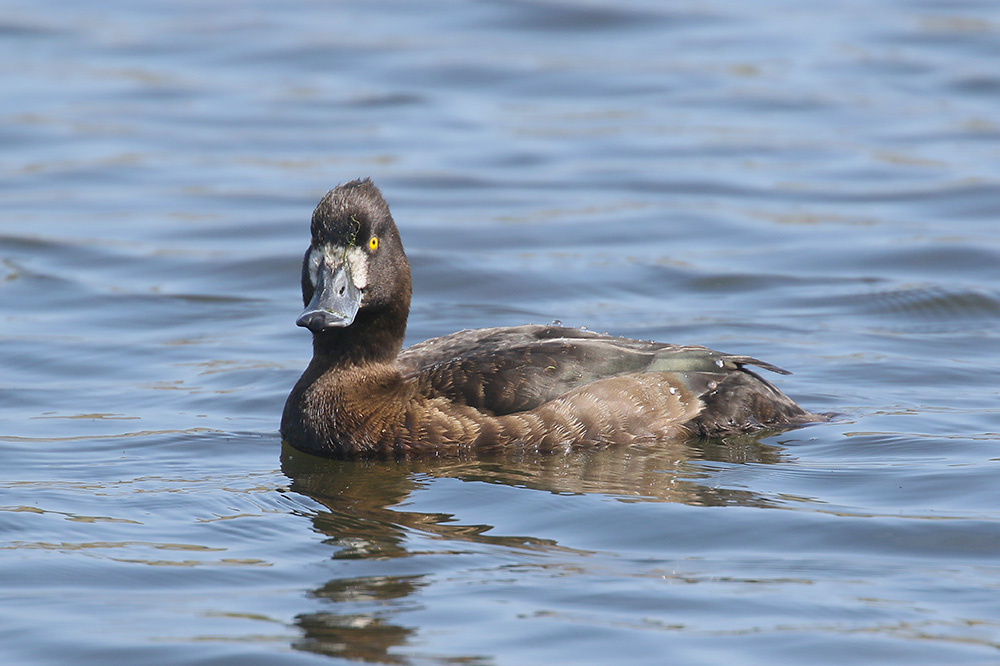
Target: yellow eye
<point>373,243</point>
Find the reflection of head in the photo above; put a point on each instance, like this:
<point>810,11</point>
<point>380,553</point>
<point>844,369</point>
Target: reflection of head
<point>357,635</point>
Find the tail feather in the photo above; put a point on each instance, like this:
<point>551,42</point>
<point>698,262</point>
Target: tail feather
<point>744,402</point>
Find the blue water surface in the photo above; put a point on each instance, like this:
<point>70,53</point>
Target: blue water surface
<point>814,184</point>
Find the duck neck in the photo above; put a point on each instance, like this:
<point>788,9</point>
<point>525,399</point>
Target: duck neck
<point>375,336</point>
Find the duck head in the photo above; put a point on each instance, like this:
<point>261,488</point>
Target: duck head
<point>355,274</point>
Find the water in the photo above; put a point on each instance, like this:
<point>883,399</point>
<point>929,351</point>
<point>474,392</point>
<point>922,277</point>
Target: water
<point>816,186</point>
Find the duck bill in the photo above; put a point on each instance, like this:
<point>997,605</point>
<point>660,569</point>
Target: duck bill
<point>335,302</point>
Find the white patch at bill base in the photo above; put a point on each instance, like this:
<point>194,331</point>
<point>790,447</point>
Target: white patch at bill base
<point>357,260</point>
<point>314,262</point>
<point>334,256</point>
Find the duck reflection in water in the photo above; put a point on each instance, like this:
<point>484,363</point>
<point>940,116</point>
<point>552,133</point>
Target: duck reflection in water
<point>364,617</point>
